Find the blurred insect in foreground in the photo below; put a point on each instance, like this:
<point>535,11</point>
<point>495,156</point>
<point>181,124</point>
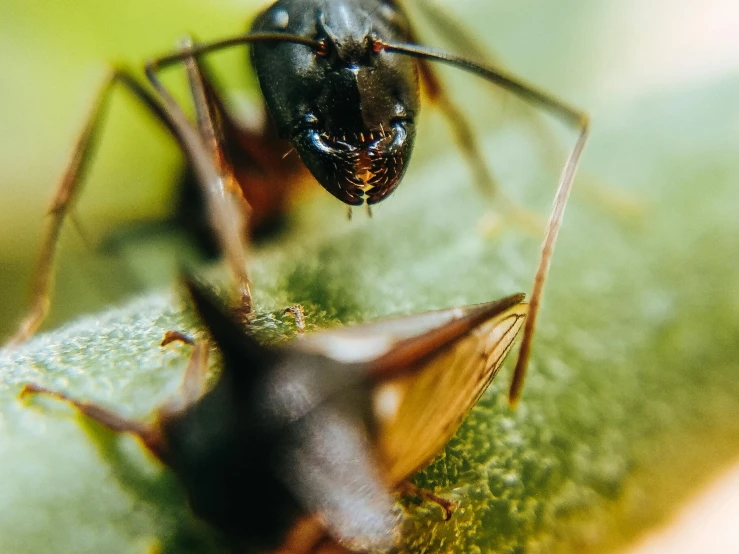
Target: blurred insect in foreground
<point>340,80</point>
<point>300,447</point>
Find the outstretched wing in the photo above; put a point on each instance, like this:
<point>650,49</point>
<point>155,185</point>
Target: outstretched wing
<point>418,413</point>
<point>429,369</point>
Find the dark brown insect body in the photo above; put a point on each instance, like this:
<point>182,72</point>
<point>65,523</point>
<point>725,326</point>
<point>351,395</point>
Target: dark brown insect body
<point>349,109</point>
<point>306,445</point>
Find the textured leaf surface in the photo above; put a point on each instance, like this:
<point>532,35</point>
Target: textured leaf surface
<point>632,395</point>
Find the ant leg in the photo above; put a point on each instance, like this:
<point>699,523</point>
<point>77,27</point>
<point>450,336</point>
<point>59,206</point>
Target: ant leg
<point>224,214</point>
<point>545,259</point>
<point>149,435</point>
<point>257,157</point>
<point>596,191</point>
<point>407,488</point>
<point>463,133</point>
<point>467,143</point>
<point>227,190</point>
<point>304,537</point>
<point>267,176</point>
<point>299,315</point>
<point>193,380</point>
<point>569,115</point>
<point>69,190</point>
<point>220,133</point>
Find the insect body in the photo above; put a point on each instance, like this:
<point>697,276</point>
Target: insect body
<point>340,79</point>
<point>315,438</point>
<point>350,107</point>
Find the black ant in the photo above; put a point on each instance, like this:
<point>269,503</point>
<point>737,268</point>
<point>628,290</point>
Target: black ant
<point>340,80</point>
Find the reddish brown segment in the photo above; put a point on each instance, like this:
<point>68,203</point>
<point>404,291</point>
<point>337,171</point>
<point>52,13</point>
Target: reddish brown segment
<point>265,166</point>
<point>150,435</point>
<point>175,336</point>
<point>269,172</point>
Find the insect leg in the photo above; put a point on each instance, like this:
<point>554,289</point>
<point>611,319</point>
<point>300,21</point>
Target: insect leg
<point>149,435</point>
<point>467,143</point>
<point>224,205</point>
<point>603,194</point>
<point>571,116</point>
<point>267,176</point>
<point>193,380</point>
<point>226,191</point>
<point>455,118</point>
<point>461,128</point>
<point>299,315</point>
<point>447,506</point>
<point>69,190</point>
<point>308,536</point>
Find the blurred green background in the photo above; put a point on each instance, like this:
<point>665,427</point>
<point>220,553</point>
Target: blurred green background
<point>633,398</point>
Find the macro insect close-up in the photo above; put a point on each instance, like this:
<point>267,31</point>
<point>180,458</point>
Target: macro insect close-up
<point>331,425</point>
<point>364,160</point>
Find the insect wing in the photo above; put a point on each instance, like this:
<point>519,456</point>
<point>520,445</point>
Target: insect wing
<point>431,369</point>
<point>419,413</point>
<point>366,342</point>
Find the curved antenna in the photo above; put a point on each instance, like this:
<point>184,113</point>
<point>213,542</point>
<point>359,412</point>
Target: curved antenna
<point>564,111</point>
<point>208,47</point>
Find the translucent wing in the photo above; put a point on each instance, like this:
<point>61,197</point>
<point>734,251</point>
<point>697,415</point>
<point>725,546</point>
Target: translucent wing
<point>430,370</point>
<point>420,412</point>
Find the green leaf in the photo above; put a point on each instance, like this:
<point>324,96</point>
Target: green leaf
<point>632,395</point>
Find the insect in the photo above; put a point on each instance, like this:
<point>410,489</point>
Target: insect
<point>307,444</point>
<point>340,81</point>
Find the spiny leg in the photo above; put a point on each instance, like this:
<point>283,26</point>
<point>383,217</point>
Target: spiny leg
<point>69,190</point>
<point>465,137</point>
<point>223,196</point>
<point>297,312</point>
<point>225,208</point>
<point>149,435</point>
<point>193,380</point>
<point>598,192</point>
<point>571,116</point>
<point>467,143</point>
<point>447,506</point>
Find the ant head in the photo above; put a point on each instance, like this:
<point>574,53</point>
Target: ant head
<point>349,108</point>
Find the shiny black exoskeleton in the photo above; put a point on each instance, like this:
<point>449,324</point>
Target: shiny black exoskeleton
<point>350,108</point>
